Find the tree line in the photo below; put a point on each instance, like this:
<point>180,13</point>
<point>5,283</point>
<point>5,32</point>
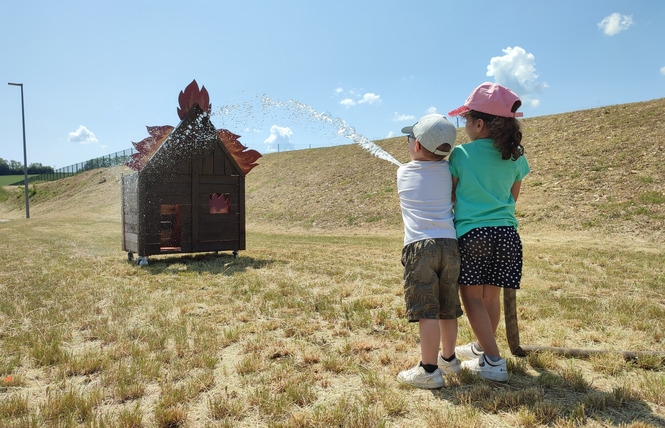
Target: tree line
<point>13,167</point>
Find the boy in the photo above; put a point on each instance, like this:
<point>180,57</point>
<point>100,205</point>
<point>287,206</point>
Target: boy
<point>430,255</point>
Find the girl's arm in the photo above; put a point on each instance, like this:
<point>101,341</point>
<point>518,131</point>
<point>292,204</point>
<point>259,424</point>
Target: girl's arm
<point>515,190</point>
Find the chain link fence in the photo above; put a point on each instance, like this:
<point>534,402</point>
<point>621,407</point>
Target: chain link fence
<point>114,159</point>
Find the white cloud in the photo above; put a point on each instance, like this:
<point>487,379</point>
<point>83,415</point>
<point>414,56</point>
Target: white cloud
<point>370,98</point>
<point>516,70</point>
<point>347,102</point>
<point>662,71</point>
<point>403,117</point>
<point>353,98</point>
<point>279,139</point>
<point>615,23</point>
<point>82,136</point>
<point>391,134</point>
<point>431,110</point>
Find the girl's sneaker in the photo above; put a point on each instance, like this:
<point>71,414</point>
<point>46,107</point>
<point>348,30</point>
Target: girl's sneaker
<point>484,367</point>
<point>418,377</point>
<point>470,351</point>
<point>451,367</point>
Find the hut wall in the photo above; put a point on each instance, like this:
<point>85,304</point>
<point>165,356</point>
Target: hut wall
<point>219,231</point>
<point>213,173</point>
<point>166,208</point>
<point>130,213</point>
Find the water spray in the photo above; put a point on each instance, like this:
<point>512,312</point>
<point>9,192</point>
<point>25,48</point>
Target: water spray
<point>304,110</point>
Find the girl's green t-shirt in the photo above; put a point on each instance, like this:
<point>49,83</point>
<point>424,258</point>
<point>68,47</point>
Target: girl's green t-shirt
<point>482,196</point>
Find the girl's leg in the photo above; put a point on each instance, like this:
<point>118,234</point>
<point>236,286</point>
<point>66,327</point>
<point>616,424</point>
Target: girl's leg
<point>492,302</point>
<point>479,317</point>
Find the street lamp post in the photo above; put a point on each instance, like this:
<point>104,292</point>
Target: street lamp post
<point>25,154</point>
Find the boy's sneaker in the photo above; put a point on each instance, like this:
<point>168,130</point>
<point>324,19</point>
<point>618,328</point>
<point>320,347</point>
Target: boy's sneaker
<point>484,367</point>
<point>451,367</point>
<point>417,376</point>
<point>469,351</point>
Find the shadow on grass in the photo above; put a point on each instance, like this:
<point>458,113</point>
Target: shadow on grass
<point>548,399</point>
<point>213,263</point>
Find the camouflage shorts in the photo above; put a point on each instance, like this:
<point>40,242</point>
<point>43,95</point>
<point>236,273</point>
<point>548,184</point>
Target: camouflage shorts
<point>431,270</point>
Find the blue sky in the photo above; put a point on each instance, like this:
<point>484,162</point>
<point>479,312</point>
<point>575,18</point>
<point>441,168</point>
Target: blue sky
<point>96,73</point>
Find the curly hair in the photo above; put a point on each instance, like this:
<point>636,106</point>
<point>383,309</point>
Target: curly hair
<point>506,133</point>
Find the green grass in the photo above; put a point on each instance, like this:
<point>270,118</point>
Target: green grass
<point>9,180</point>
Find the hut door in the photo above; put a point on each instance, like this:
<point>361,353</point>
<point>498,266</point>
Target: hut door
<point>171,227</point>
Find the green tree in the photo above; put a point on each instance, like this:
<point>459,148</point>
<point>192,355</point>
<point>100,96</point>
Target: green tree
<point>15,167</point>
<point>4,167</point>
<point>38,168</point>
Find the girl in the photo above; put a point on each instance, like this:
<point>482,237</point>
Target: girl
<point>487,173</point>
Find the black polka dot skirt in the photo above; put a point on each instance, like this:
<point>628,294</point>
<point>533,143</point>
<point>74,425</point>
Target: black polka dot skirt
<point>491,255</point>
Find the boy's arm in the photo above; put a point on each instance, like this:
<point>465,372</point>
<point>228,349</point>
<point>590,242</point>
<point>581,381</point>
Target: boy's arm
<point>455,180</point>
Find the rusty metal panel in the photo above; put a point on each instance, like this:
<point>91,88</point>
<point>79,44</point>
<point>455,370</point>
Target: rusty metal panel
<point>208,163</point>
<point>219,179</point>
<point>220,162</point>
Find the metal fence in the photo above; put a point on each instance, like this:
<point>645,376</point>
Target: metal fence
<point>117,158</point>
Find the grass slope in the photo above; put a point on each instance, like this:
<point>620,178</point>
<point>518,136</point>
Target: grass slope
<point>592,169</point>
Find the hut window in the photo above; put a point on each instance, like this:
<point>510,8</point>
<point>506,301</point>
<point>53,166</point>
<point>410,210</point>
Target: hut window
<point>220,203</point>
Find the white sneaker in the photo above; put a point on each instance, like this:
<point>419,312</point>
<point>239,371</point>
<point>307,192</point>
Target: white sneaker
<point>484,367</point>
<point>451,367</point>
<point>468,351</point>
<point>417,376</point>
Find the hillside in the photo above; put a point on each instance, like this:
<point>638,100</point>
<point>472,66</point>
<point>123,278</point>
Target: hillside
<point>591,169</point>
<point>597,169</point>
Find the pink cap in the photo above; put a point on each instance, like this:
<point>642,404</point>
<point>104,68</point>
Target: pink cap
<point>492,99</point>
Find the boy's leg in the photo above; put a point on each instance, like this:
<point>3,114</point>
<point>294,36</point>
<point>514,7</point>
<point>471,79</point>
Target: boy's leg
<point>448,329</point>
<point>479,318</point>
<point>449,302</point>
<point>429,340</point>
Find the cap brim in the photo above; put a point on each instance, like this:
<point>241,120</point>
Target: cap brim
<point>407,130</point>
<point>442,153</point>
<point>458,111</point>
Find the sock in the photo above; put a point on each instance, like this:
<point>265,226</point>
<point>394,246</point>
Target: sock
<point>492,358</point>
<point>449,359</point>
<point>429,368</point>
<point>477,347</point>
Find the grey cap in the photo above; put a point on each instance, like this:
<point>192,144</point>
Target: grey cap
<point>432,131</point>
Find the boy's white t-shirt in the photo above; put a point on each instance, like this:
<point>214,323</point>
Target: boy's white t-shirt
<point>425,193</point>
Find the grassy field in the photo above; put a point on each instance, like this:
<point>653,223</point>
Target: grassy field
<point>8,180</point>
<point>306,327</point>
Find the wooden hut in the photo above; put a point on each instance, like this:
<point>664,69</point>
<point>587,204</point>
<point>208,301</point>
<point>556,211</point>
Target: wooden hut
<point>188,194</point>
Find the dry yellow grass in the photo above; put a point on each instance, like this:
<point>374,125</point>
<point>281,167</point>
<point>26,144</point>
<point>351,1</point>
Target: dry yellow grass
<point>306,328</point>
